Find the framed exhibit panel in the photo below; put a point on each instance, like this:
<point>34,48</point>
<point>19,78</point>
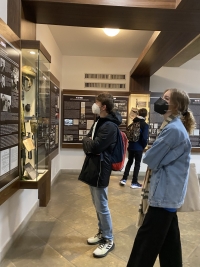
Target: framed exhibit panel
<point>157,119</point>
<point>9,112</point>
<point>77,117</point>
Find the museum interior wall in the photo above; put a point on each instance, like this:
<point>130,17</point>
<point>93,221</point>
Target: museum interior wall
<point>185,77</point>
<point>15,212</point>
<point>3,10</point>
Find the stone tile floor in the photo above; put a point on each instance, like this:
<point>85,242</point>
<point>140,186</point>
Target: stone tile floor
<point>56,235</point>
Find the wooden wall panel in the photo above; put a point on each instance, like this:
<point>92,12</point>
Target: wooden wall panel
<point>139,84</point>
<point>111,16</point>
<point>14,16</point>
<point>160,50</point>
<point>28,28</point>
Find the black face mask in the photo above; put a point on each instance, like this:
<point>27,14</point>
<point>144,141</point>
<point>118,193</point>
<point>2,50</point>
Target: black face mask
<point>161,106</point>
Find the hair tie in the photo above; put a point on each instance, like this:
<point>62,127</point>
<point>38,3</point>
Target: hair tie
<point>184,112</point>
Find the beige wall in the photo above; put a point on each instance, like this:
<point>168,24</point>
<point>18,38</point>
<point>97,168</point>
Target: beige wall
<point>74,68</point>
<point>3,10</point>
<point>44,35</point>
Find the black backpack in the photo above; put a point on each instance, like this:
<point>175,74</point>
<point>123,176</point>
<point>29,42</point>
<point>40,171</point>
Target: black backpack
<point>133,132</point>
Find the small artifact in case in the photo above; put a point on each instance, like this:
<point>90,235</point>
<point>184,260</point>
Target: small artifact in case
<point>31,171</point>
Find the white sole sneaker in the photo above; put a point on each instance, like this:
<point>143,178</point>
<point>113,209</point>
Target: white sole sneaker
<point>135,187</point>
<point>95,239</point>
<point>103,249</point>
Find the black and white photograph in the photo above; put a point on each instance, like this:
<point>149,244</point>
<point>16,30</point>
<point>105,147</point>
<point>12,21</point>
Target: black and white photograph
<point>15,78</point>
<point>2,65</point>
<point>5,102</point>
<point>68,137</point>
<point>2,81</point>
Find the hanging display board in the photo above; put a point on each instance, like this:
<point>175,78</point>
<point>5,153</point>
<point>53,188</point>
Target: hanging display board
<point>157,119</point>
<point>77,117</point>
<point>55,114</point>
<point>9,112</point>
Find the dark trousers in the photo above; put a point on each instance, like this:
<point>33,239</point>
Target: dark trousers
<point>159,235</point>
<point>137,155</point>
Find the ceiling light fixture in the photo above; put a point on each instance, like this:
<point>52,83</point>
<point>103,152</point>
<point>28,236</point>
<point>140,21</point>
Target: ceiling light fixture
<point>32,52</point>
<point>111,32</point>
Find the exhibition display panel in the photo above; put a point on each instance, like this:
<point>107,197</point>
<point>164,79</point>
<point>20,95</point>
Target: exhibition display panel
<point>157,119</point>
<point>77,117</point>
<point>9,112</point>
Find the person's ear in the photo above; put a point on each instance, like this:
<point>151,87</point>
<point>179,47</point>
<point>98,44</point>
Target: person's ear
<point>103,107</point>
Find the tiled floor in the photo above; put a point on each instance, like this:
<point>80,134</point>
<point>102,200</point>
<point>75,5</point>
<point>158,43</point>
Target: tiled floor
<point>56,235</point>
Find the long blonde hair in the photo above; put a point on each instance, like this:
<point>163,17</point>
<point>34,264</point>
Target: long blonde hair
<point>180,102</point>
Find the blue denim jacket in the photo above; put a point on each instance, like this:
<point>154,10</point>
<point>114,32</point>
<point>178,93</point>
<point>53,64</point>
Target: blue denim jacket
<point>169,159</point>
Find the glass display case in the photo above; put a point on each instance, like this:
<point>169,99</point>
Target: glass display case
<point>35,113</point>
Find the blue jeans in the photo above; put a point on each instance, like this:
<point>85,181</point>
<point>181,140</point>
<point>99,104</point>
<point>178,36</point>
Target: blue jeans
<point>100,201</point>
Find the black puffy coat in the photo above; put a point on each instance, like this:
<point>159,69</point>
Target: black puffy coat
<point>96,168</point>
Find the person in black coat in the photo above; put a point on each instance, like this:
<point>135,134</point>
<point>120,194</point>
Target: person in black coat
<point>135,150</point>
<point>96,170</point>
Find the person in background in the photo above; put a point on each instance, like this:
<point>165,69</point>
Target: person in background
<point>135,150</point>
<point>168,159</point>
<point>98,146</point>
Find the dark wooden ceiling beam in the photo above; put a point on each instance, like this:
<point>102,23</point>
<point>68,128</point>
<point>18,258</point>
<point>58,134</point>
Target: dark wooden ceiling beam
<point>168,4</point>
<point>189,5</point>
<point>191,50</point>
<point>87,15</point>
<point>161,47</point>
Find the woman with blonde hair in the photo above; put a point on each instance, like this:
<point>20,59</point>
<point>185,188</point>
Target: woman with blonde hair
<point>168,159</point>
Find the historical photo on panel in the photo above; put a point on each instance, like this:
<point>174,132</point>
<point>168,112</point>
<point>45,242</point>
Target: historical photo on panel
<point>2,65</point>
<point>5,102</point>
<point>2,81</point>
<point>68,137</point>
<point>14,78</point>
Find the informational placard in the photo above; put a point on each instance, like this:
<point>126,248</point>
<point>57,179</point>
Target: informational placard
<point>9,111</point>
<point>55,115</point>
<point>121,105</point>
<point>77,117</point>
<point>157,119</point>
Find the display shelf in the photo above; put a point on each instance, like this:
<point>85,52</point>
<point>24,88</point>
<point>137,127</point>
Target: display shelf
<point>43,184</point>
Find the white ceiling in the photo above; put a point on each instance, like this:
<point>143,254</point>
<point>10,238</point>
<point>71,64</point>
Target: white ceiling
<point>80,41</point>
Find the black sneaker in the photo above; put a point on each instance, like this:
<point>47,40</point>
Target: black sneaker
<point>136,185</point>
<point>104,248</point>
<point>122,182</point>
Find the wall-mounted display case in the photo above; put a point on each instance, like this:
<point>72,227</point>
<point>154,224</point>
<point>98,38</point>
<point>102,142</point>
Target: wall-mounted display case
<point>35,114</point>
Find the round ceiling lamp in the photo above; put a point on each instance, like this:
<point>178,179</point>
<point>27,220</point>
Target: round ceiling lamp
<point>111,32</point>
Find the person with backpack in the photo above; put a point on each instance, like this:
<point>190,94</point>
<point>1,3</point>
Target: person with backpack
<point>137,134</point>
<point>98,146</point>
